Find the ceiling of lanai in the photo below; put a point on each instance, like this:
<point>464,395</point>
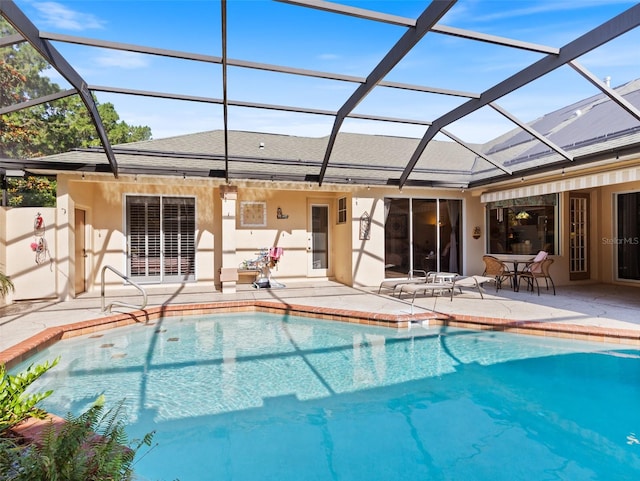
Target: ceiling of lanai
<point>449,93</point>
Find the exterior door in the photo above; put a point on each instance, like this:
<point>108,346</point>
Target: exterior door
<point>80,252</point>
<point>318,247</point>
<point>579,237</point>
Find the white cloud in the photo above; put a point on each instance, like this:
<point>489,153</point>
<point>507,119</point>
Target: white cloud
<point>328,56</point>
<point>58,16</point>
<point>120,59</point>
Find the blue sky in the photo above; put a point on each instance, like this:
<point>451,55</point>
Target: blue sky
<point>277,33</point>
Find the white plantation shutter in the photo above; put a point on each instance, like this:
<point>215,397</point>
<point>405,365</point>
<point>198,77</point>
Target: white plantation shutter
<point>160,238</point>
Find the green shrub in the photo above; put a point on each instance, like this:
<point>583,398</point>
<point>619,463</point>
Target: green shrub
<point>15,405</point>
<point>91,447</point>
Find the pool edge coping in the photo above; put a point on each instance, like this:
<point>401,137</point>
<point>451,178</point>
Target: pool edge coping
<point>25,349</point>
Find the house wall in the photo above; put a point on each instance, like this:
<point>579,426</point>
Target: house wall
<point>354,259</point>
<point>343,234</point>
<point>605,245</point>
<point>474,249</point>
<point>3,251</point>
<point>293,234</point>
<point>602,233</point>
<point>105,243</point>
<point>366,258</point>
<point>290,233</point>
<point>103,201</point>
<point>601,188</point>
<point>31,279</point>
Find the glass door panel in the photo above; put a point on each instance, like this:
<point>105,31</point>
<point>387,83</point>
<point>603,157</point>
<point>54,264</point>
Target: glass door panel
<point>425,234</point>
<point>396,238</point>
<point>319,245</point>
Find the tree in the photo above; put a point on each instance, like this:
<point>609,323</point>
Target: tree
<point>14,131</point>
<point>48,128</point>
<point>52,127</point>
<point>32,191</point>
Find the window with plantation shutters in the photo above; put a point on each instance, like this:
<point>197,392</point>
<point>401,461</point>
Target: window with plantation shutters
<point>160,238</point>
<point>178,225</point>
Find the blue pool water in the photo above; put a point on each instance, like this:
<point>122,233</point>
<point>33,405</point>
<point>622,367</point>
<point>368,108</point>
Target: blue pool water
<point>267,397</point>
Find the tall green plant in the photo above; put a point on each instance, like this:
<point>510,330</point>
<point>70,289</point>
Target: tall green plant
<point>6,286</point>
<point>15,404</point>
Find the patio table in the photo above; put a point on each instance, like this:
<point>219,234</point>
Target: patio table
<point>516,261</point>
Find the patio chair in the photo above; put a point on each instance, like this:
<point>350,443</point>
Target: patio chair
<point>538,270</point>
<point>416,276</point>
<point>494,267</point>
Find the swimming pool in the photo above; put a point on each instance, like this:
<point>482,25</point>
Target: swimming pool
<point>257,396</point>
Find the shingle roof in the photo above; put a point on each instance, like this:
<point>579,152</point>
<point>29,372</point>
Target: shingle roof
<point>582,128</point>
<point>253,155</point>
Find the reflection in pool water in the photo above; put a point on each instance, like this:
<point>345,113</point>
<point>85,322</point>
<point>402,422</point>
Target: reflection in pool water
<point>261,397</point>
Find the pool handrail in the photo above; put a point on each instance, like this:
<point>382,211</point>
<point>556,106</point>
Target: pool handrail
<point>119,303</point>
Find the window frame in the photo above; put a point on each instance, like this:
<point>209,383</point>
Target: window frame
<point>159,237</point>
<point>514,226</point>
<point>341,218</point>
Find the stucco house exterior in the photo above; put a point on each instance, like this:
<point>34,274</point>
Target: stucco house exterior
<point>179,212</point>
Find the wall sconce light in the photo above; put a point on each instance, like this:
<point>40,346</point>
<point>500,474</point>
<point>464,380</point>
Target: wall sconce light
<point>476,232</point>
<point>261,145</point>
<point>280,215</point>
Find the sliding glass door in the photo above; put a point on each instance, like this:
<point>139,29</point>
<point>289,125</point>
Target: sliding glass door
<point>422,234</point>
<point>628,236</point>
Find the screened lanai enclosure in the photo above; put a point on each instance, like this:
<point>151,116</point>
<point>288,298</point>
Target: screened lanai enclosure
<point>389,135</point>
<point>432,72</point>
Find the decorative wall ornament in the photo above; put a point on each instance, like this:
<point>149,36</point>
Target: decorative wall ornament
<point>476,232</point>
<point>253,214</point>
<point>39,245</point>
<point>365,226</point>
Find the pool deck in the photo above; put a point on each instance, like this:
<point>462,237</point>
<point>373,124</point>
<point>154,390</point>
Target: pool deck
<point>598,312</point>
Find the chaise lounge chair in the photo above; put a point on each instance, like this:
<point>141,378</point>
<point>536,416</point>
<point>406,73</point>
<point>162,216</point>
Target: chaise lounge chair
<point>416,276</point>
<point>446,282</point>
<point>473,282</point>
<point>436,283</point>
